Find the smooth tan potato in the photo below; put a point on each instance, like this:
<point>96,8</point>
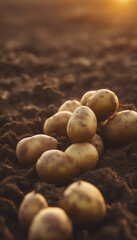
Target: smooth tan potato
<point>54,166</point>
<point>82,125</point>
<point>104,104</point>
<point>85,154</point>
<point>51,224</point>
<point>122,128</point>
<point>86,96</point>
<point>29,149</point>
<point>97,142</point>
<point>84,203</point>
<point>69,105</point>
<point>57,123</point>
<point>32,203</point>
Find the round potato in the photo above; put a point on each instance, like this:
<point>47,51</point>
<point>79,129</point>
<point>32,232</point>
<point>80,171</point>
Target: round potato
<point>97,141</point>
<point>121,128</point>
<point>84,203</point>
<point>54,166</point>
<point>86,96</point>
<point>85,154</point>
<point>57,123</point>
<point>69,105</point>
<point>104,104</point>
<point>82,125</point>
<point>51,224</point>
<point>29,149</point>
<point>32,203</point>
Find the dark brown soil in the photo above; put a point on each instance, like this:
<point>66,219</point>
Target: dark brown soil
<point>52,51</point>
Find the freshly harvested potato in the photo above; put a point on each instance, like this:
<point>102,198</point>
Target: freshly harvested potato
<point>32,203</point>
<point>86,96</point>
<point>97,141</point>
<point>82,125</point>
<point>29,149</point>
<point>54,166</point>
<point>104,104</point>
<point>84,203</point>
<point>51,224</point>
<point>69,105</point>
<point>57,123</point>
<point>85,154</point>
<point>121,128</point>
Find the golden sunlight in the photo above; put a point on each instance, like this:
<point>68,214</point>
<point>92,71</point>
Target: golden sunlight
<point>124,1</point>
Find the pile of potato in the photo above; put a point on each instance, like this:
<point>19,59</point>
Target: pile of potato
<point>82,204</point>
<point>88,123</point>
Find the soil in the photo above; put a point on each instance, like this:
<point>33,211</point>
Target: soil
<point>52,51</point>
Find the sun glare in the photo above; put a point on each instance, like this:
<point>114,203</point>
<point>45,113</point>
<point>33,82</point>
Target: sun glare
<point>124,1</point>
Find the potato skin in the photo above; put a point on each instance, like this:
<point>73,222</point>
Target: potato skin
<point>69,105</point>
<point>85,154</point>
<point>57,123</point>
<point>54,166</point>
<point>121,129</point>
<point>84,203</point>
<point>29,149</point>
<point>51,224</point>
<point>30,206</point>
<point>97,142</point>
<point>82,125</point>
<point>104,104</point>
<point>86,96</point>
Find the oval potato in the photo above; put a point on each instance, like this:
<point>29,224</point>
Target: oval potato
<point>122,128</point>
<point>69,105</point>
<point>57,123</point>
<point>32,203</point>
<point>85,154</point>
<point>104,104</point>
<point>82,125</point>
<point>86,96</point>
<point>29,149</point>
<point>97,142</point>
<point>84,203</point>
<point>51,224</point>
<point>54,166</point>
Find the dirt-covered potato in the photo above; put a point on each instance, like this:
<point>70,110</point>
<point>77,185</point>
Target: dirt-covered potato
<point>29,149</point>
<point>86,96</point>
<point>97,141</point>
<point>85,154</point>
<point>82,125</point>
<point>121,128</point>
<point>51,224</point>
<point>84,203</point>
<point>69,105</point>
<point>57,123</point>
<point>32,203</point>
<point>104,104</point>
<point>54,166</point>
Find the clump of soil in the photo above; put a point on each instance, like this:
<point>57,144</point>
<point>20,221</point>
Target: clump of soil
<point>51,51</point>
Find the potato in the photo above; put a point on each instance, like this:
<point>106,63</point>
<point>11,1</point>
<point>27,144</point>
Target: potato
<point>97,142</point>
<point>32,203</point>
<point>82,125</point>
<point>85,154</point>
<point>104,104</point>
<point>86,96</point>
<point>84,203</point>
<point>122,128</point>
<point>54,166</point>
<point>51,224</point>
<point>57,123</point>
<point>69,105</point>
<point>29,149</point>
